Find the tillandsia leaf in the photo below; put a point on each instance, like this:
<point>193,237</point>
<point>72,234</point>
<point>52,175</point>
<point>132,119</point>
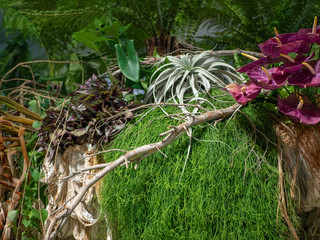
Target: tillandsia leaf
<point>129,64</point>
<point>190,74</point>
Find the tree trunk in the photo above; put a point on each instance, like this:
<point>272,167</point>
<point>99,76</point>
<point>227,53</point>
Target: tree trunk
<point>162,45</point>
<point>300,145</point>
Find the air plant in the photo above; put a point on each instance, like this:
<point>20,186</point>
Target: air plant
<point>189,74</point>
<point>183,79</point>
<point>299,74</point>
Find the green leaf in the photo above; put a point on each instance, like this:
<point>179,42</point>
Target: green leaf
<point>89,39</point>
<point>144,85</point>
<point>35,175</point>
<point>34,213</point>
<point>132,84</point>
<point>34,106</point>
<point>26,223</point>
<point>112,30</point>
<point>129,97</point>
<point>36,124</point>
<point>12,215</point>
<point>129,65</point>
<point>44,214</point>
<point>75,73</point>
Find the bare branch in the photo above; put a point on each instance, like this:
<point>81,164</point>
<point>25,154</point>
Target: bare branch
<point>60,217</point>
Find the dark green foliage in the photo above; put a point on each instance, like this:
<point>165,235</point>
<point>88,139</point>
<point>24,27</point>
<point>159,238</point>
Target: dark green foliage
<point>245,23</point>
<point>52,24</point>
<point>155,18</point>
<point>228,189</point>
<point>16,51</point>
<point>87,116</point>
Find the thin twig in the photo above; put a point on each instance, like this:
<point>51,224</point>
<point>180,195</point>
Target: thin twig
<point>36,61</point>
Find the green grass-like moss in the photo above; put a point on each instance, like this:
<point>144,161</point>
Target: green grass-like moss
<point>214,200</point>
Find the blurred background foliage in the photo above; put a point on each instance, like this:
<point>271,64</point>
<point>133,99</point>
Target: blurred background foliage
<point>61,28</point>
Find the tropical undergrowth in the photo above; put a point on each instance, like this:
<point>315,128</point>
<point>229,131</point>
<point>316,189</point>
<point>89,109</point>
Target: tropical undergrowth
<point>228,189</point>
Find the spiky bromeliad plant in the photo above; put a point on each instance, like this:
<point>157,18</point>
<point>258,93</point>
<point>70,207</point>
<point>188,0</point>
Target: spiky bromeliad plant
<point>190,74</point>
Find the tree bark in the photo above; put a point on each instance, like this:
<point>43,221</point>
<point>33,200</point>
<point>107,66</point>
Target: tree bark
<point>162,45</point>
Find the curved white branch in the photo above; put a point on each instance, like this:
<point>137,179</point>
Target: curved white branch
<point>147,149</point>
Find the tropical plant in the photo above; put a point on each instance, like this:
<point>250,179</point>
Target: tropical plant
<point>86,115</point>
<point>295,82</point>
<point>129,64</point>
<point>158,21</point>
<point>189,74</point>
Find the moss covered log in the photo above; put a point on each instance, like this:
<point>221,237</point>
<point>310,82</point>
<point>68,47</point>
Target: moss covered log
<point>228,189</point>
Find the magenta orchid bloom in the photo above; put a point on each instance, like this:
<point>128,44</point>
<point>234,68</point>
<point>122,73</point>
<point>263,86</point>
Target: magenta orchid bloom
<point>268,78</point>
<point>301,110</point>
<point>264,61</point>
<point>243,93</point>
<point>307,76</point>
<point>274,47</point>
<point>308,35</point>
<point>296,64</point>
<point>298,68</point>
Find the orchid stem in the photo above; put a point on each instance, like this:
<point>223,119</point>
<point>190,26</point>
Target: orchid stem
<point>311,49</point>
<point>295,91</point>
<point>286,89</point>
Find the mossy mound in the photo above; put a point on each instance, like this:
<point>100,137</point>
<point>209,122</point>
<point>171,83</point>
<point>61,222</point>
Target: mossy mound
<point>228,189</point>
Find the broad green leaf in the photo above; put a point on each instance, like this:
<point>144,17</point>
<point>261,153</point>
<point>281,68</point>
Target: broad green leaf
<point>34,213</point>
<point>12,215</point>
<point>89,39</point>
<point>36,124</point>
<point>129,64</point>
<point>112,30</point>
<point>35,175</point>
<point>75,73</point>
<point>44,214</point>
<point>26,223</point>
<point>129,97</point>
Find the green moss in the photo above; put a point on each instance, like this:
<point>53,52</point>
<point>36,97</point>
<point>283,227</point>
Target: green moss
<point>216,198</point>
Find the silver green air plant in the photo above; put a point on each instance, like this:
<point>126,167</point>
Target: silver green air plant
<point>187,77</point>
